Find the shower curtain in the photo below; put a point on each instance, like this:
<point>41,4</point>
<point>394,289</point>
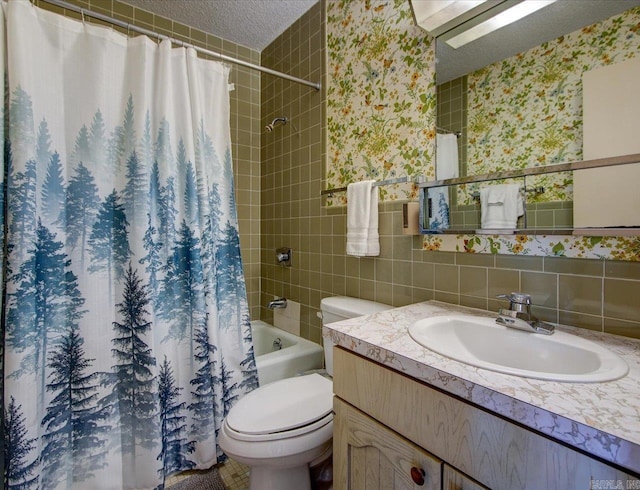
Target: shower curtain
<point>126,333</point>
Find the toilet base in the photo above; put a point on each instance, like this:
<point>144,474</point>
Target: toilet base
<point>264,478</point>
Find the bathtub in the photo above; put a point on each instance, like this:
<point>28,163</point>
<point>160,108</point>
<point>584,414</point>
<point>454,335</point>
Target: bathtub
<point>295,356</point>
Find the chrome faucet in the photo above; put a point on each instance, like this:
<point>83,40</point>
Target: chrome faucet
<point>277,303</point>
<point>519,315</point>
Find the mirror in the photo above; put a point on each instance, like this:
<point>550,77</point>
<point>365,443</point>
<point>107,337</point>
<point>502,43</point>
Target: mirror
<point>525,111</point>
<point>606,198</point>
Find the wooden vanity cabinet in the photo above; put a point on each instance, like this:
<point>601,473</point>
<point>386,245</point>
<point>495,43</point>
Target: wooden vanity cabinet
<point>389,427</point>
<point>372,457</point>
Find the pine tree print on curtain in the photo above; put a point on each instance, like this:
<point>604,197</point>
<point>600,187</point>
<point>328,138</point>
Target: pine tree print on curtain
<point>19,470</point>
<point>127,335</point>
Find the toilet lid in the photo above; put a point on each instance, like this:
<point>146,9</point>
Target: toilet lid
<point>283,405</point>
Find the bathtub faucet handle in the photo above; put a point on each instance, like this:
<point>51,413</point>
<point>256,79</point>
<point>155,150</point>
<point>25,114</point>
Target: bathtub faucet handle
<point>277,303</point>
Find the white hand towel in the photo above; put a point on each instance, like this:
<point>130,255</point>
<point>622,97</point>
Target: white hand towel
<point>362,219</point>
<point>447,156</point>
<point>500,206</point>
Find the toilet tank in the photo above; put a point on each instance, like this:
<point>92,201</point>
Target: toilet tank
<point>337,308</point>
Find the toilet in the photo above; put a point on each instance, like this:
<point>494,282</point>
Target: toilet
<point>282,429</point>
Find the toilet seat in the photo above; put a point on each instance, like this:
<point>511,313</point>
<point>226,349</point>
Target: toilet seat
<point>276,436</point>
<point>283,409</point>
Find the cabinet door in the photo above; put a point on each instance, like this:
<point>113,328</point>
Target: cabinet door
<point>369,456</point>
<point>452,479</point>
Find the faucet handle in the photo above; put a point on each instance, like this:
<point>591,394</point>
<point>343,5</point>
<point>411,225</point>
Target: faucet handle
<point>519,298</point>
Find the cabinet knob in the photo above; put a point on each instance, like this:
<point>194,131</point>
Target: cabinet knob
<point>417,475</point>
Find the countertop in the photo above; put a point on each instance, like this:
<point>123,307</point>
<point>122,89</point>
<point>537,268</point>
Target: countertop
<point>602,419</point>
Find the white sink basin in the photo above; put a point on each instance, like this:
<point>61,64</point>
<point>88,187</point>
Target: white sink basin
<point>481,342</point>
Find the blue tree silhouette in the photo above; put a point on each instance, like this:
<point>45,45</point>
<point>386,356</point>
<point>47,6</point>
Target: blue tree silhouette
<point>133,382</point>
<point>81,207</point>
<point>181,158</point>
<point>75,425</point>
<point>115,148</point>
<point>128,129</point>
<point>167,213</point>
<point>175,446</point>
<point>229,389</point>
<point>98,143</point>
<point>191,196</point>
<point>146,144</point>
<point>210,239</point>
<point>204,151</point>
<point>163,153</point>
<point>182,290</point>
<point>155,193</point>
<point>46,303</point>
<point>204,405</point>
<point>151,241</point>
<point>22,207</point>
<point>109,240</point>
<point>231,293</point>
<point>248,364</point>
<point>153,259</point>
<point>8,162</point>
<point>81,152</point>
<point>43,146</point>
<point>19,474</point>
<point>53,191</point>
<point>134,194</point>
<point>21,126</point>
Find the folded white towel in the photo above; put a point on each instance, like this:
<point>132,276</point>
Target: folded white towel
<point>446,156</point>
<point>362,219</point>
<point>500,206</point>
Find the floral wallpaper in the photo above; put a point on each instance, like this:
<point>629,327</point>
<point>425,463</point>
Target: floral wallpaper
<point>381,114</point>
<point>380,97</point>
<point>612,248</point>
<point>526,110</point>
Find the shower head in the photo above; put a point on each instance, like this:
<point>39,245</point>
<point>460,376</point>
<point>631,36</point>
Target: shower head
<point>277,121</point>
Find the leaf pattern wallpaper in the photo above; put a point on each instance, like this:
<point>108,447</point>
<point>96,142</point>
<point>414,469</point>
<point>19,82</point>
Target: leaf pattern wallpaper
<point>380,97</point>
<point>381,114</point>
<point>526,110</point>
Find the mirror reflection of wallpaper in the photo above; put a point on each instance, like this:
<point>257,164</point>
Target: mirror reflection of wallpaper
<point>537,97</point>
<point>380,97</point>
<point>527,110</point>
<point>582,247</point>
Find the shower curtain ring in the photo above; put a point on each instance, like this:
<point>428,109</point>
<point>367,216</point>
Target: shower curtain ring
<point>82,15</point>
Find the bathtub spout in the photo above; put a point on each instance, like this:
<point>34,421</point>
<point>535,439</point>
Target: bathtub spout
<point>277,303</point>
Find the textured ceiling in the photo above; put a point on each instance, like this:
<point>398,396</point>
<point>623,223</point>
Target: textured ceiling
<point>256,23</point>
<point>251,23</point>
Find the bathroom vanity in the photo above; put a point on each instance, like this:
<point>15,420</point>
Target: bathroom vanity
<point>406,417</point>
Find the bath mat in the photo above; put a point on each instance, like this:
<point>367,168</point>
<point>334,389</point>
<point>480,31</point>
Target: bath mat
<point>201,480</point>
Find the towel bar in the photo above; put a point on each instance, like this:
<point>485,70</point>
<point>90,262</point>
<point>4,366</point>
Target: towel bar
<point>534,190</point>
<point>399,180</point>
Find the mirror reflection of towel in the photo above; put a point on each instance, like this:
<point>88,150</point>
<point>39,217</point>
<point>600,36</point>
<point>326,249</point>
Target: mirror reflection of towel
<point>500,206</point>
<point>446,168</point>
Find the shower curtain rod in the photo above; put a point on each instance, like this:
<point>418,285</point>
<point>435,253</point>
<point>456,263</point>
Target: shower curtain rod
<point>147,32</point>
